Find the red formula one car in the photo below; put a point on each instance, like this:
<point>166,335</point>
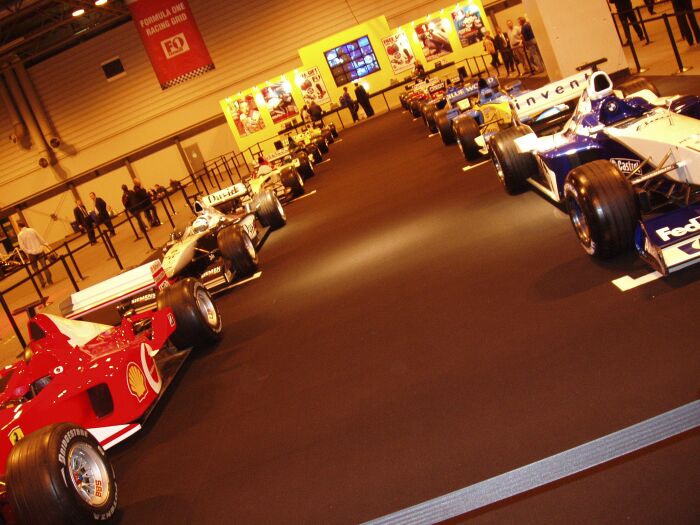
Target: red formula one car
<point>81,388</point>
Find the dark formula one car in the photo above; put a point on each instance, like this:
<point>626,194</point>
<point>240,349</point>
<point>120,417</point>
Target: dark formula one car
<point>84,387</point>
<point>627,169</point>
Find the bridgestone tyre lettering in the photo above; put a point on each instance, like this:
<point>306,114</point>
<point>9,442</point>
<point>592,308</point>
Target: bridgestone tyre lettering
<point>291,179</point>
<point>235,246</point>
<point>602,207</point>
<point>444,127</point>
<point>513,167</point>
<point>415,108</point>
<point>270,211</point>
<point>638,84</point>
<point>40,474</point>
<point>429,110</point>
<point>197,319</point>
<point>467,131</point>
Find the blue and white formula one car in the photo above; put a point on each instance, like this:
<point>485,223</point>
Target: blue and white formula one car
<point>473,114</point>
<point>627,169</point>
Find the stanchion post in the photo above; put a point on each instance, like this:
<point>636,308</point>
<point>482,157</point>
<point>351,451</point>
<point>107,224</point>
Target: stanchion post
<point>69,274</point>
<point>681,67</point>
<point>108,241</point>
<point>167,213</point>
<point>128,218</point>
<point>31,278</point>
<point>13,323</point>
<point>148,240</point>
<point>644,27</point>
<point>628,35</point>
<point>102,237</point>
<point>167,197</point>
<point>75,265</point>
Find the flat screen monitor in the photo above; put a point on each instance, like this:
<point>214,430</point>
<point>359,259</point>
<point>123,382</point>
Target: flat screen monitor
<point>353,60</point>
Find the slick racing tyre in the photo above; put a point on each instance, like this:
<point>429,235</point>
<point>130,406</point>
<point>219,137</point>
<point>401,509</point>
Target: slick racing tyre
<point>467,131</point>
<point>305,169</point>
<point>513,167</point>
<point>321,145</point>
<point>328,136</point>
<point>315,153</point>
<point>59,475</point>
<point>444,127</point>
<point>270,211</point>
<point>197,319</point>
<point>415,108</point>
<point>291,179</point>
<point>602,207</point>
<point>429,110</point>
<point>637,84</point>
<point>238,249</point>
<point>334,130</point>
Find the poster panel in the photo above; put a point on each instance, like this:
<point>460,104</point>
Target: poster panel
<point>469,25</point>
<point>433,38</point>
<point>245,115</point>
<point>313,89</point>
<point>172,40</point>
<point>279,101</point>
<point>400,53</point>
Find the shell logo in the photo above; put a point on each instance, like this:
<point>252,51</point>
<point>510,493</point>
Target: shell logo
<point>136,381</point>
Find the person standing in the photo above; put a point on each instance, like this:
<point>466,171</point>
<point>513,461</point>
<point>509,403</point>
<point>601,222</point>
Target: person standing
<point>363,99</point>
<point>515,34</point>
<point>85,222</point>
<point>33,244</point>
<point>131,206</point>
<point>346,101</point>
<point>687,22</point>
<point>650,6</point>
<point>502,43</point>
<point>628,17</point>
<point>530,45</point>
<point>305,115</point>
<point>490,48</point>
<point>316,112</point>
<point>143,201</point>
<point>101,213</point>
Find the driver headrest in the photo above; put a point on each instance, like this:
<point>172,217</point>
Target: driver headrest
<point>599,86</point>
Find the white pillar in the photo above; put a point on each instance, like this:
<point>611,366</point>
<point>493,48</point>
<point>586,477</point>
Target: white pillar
<point>570,33</point>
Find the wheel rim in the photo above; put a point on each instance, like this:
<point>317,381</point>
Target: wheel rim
<point>89,474</point>
<point>206,305</point>
<point>499,168</point>
<point>578,219</point>
<point>300,181</point>
<point>280,209</point>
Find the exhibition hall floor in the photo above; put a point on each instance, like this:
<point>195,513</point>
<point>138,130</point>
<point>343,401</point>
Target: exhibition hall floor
<point>416,330</point>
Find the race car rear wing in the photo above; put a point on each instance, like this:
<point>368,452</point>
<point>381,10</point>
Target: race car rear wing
<point>107,295</point>
<point>532,103</point>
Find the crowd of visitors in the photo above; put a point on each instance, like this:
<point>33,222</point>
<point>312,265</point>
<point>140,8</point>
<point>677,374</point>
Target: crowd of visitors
<point>516,49</point>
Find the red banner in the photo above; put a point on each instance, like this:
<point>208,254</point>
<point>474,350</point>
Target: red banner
<point>172,40</point>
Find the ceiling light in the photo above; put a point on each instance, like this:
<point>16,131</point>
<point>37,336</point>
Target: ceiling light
<point>79,12</point>
<point>101,2</point>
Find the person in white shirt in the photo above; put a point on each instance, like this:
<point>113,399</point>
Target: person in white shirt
<point>515,34</point>
<point>32,244</point>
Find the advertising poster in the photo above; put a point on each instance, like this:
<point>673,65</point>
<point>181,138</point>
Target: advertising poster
<point>469,25</point>
<point>279,101</point>
<point>312,86</point>
<point>245,115</point>
<point>399,51</point>
<point>433,38</point>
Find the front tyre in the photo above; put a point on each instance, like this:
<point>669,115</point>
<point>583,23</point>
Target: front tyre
<point>467,131</point>
<point>291,179</point>
<point>197,319</point>
<point>444,127</point>
<point>270,211</point>
<point>58,475</point>
<point>602,207</point>
<point>235,246</point>
<point>512,166</point>
<point>429,110</point>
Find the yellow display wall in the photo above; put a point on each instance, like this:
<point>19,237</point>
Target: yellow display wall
<point>313,56</point>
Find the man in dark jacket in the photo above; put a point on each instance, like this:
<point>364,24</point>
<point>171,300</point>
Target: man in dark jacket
<point>131,206</point>
<point>144,204</point>
<point>102,213</point>
<point>346,101</point>
<point>316,112</point>
<point>363,99</point>
<point>82,217</point>
<point>687,22</point>
<point>502,44</point>
<point>628,17</point>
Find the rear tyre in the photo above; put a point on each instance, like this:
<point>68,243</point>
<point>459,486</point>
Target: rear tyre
<point>637,84</point>
<point>270,211</point>
<point>238,249</point>
<point>415,108</point>
<point>328,136</point>
<point>444,127</point>
<point>197,319</point>
<point>513,167</point>
<point>429,110</point>
<point>59,474</point>
<point>291,179</point>
<point>321,145</point>
<point>467,131</point>
<point>305,168</point>
<point>334,130</point>
<point>602,207</point>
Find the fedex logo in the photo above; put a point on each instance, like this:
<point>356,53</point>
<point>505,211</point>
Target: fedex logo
<point>175,45</point>
<point>666,233</point>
